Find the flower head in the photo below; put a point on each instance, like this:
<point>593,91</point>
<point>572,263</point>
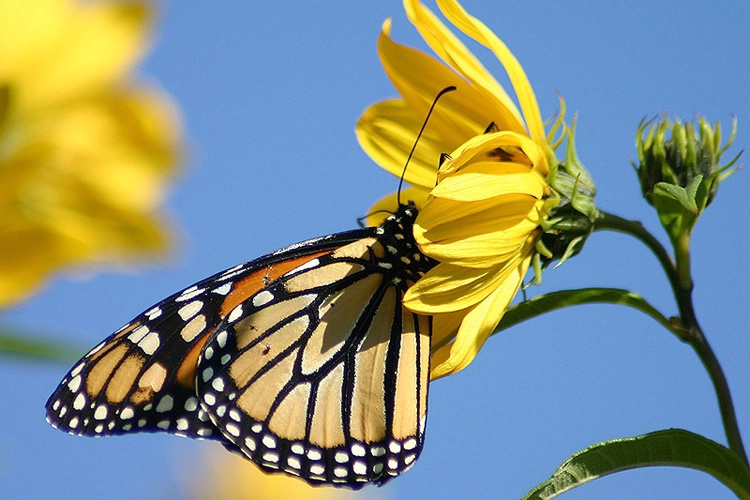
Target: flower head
<point>680,170</point>
<point>84,151</point>
<point>225,476</point>
<point>483,220</point>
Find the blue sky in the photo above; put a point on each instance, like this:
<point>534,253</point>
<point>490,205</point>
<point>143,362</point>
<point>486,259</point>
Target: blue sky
<point>270,93</point>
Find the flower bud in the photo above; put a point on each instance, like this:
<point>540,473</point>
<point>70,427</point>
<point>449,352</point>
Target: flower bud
<point>680,174</point>
<point>689,151</point>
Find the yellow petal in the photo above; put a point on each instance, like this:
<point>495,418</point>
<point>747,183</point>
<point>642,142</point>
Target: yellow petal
<point>70,48</point>
<point>479,323</point>
<point>387,132</point>
<point>478,234</point>
<point>444,328</point>
<point>477,30</point>
<point>500,108</point>
<point>28,254</point>
<point>418,77</point>
<point>448,288</point>
<point>484,180</point>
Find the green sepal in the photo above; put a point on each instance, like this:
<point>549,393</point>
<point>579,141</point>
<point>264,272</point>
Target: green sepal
<point>678,207</point>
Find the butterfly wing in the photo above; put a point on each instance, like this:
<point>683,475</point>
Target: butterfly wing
<point>142,378</point>
<point>323,373</point>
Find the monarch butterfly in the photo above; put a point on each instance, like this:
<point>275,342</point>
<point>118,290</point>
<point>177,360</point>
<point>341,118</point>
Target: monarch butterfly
<point>304,361</point>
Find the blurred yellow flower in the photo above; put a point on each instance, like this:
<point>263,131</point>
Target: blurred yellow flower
<point>482,219</point>
<point>226,476</point>
<point>85,151</point>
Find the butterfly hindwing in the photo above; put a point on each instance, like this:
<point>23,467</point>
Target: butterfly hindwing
<point>142,378</point>
<point>323,373</point>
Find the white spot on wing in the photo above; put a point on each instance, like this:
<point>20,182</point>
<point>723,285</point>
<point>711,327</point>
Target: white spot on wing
<point>77,369</point>
<point>250,443</point>
<point>138,334</point>
<point>359,468</point>
<point>221,338</point>
<point>340,472</point>
<point>153,313</point>
<point>188,294</point>
<point>269,441</point>
<point>223,289</point>
<point>218,384</point>
<point>261,298</point>
<point>75,384</point>
<point>150,343</point>
<point>79,402</point>
<point>189,310</point>
<point>165,404</point>
<point>100,413</point>
<point>191,404</point>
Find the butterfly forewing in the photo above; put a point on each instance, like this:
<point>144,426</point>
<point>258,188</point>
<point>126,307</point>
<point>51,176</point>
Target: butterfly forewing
<point>142,378</point>
<point>323,373</point>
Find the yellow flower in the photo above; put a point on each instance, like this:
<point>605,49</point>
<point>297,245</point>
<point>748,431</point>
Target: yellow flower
<point>226,476</point>
<point>482,219</point>
<point>84,151</point>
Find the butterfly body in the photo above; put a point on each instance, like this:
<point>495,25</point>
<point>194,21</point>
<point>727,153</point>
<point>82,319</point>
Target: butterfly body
<point>304,361</point>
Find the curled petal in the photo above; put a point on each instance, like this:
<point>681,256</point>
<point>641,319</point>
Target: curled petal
<point>477,30</point>
<point>488,179</point>
<point>498,106</point>
<point>498,146</point>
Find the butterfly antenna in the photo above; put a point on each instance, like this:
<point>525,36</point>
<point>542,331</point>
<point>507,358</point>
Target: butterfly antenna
<point>424,124</point>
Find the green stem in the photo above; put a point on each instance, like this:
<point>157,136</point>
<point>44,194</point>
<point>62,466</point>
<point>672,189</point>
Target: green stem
<point>20,345</point>
<point>682,286</point>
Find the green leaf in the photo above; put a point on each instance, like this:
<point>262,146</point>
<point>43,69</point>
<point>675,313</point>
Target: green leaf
<point>545,303</point>
<point>673,447</point>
